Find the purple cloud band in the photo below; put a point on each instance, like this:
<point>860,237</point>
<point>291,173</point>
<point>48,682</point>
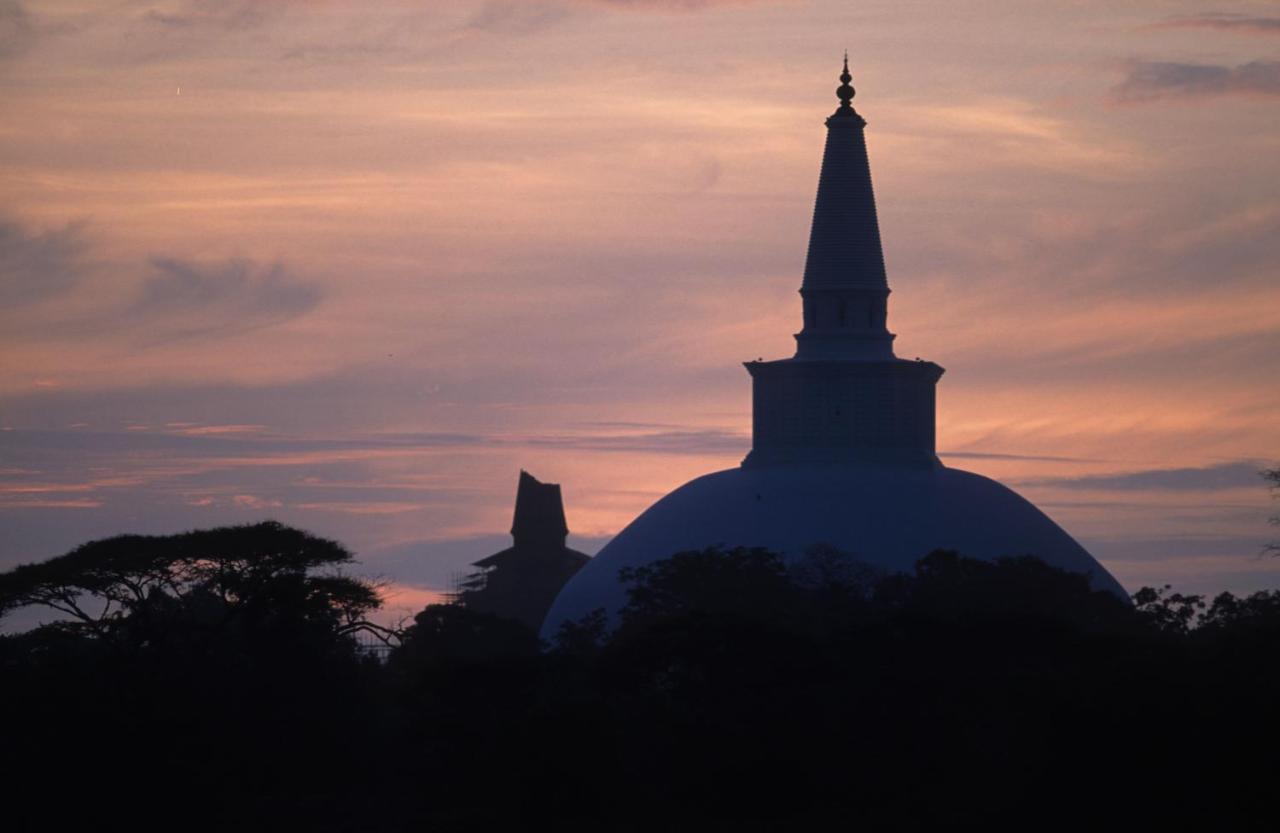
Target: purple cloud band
<point>1152,80</point>
<point>1226,22</point>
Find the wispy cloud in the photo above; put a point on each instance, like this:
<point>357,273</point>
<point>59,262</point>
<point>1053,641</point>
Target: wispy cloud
<point>242,444</point>
<point>671,5</point>
<point>1154,80</point>
<point>652,442</point>
<point>177,299</point>
<point>361,507</point>
<point>16,29</point>
<point>51,503</point>
<point>516,17</point>
<point>525,16</point>
<point>1221,477</point>
<point>186,299</point>
<point>219,444</point>
<point>38,265</point>
<point>195,430</point>
<point>1224,21</point>
<point>979,455</point>
<point>227,16</point>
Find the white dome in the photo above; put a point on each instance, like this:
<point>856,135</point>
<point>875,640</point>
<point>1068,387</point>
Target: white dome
<point>888,517</point>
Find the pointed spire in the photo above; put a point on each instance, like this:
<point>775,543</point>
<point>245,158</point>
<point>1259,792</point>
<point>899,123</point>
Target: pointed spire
<point>844,286</point>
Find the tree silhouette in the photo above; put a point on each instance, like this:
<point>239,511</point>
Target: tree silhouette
<point>1256,613</point>
<point>1170,612</point>
<point>219,663</point>
<point>735,687</point>
<point>148,590</point>
<point>743,580</point>
<point>451,633</point>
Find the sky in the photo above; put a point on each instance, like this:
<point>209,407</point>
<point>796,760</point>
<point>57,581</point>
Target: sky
<point>353,265</point>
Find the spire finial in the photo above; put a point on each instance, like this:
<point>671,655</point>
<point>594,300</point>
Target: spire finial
<point>845,92</point>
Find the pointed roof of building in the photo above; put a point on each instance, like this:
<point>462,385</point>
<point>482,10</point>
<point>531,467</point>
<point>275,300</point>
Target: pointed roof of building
<point>539,517</point>
<point>844,243</point>
<point>539,529</point>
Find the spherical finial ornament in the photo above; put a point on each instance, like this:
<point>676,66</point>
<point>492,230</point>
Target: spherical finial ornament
<point>845,92</point>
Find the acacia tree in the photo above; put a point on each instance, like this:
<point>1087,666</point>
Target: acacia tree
<point>144,589</point>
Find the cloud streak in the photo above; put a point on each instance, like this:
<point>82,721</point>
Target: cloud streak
<point>241,447</point>
<point>672,5</point>
<point>234,16</point>
<point>16,29</point>
<point>176,300</point>
<point>1155,80</point>
<point>1225,21</point>
<point>1036,458</point>
<point>185,299</point>
<point>515,17</point>
<point>35,266</point>
<point>1221,477</point>
<point>521,17</point>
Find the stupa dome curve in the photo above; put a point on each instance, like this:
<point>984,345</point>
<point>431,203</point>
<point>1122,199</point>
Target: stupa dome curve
<point>886,516</point>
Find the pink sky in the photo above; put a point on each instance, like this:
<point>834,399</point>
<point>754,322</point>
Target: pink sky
<point>353,265</point>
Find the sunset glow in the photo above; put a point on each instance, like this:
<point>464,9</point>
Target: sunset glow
<point>354,266</point>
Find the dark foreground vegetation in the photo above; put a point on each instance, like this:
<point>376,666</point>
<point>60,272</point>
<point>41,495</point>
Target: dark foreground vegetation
<point>211,681</point>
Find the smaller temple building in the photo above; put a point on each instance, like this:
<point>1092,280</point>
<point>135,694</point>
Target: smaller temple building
<point>523,580</point>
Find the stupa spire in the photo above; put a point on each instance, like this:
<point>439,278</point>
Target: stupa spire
<point>845,289</point>
<point>845,91</point>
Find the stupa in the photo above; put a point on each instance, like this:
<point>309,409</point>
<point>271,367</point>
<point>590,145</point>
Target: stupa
<point>843,433</point>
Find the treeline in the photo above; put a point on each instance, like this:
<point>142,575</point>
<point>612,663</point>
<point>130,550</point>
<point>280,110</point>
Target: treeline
<point>213,681</point>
